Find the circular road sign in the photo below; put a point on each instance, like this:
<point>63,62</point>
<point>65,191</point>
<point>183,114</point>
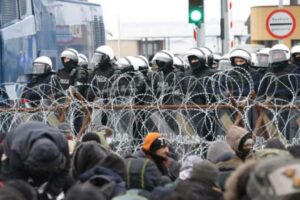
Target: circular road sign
<point>281,23</point>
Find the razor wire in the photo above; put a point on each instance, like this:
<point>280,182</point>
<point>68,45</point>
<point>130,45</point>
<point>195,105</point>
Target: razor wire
<point>190,112</point>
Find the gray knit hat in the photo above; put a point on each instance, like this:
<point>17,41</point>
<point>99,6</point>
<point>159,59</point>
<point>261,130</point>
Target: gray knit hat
<point>216,149</point>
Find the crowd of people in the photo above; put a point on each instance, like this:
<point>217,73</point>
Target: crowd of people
<point>40,161</point>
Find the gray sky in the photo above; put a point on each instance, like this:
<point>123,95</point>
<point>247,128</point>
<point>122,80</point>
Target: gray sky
<point>170,10</point>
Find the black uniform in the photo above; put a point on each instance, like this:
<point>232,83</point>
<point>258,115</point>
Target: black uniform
<point>42,86</point>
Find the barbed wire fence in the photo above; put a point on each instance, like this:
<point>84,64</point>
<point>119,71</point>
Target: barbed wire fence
<point>190,113</point>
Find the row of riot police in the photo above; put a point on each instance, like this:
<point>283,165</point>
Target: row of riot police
<point>169,79</point>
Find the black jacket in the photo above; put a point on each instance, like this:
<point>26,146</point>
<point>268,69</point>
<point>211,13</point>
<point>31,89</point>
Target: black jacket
<point>17,147</point>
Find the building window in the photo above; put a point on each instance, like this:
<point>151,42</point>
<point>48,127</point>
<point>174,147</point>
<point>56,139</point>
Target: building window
<point>8,11</point>
<point>23,8</point>
<point>150,47</point>
<point>295,42</point>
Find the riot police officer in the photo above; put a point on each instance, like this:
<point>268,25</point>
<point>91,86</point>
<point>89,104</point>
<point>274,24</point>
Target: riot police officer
<point>44,82</point>
<point>198,90</point>
<point>166,79</point>
<point>83,61</point>
<point>165,88</point>
<point>262,60</point>
<point>104,69</point>
<point>241,80</point>
<point>282,85</point>
<point>295,55</point>
<point>129,88</point>
<point>72,74</point>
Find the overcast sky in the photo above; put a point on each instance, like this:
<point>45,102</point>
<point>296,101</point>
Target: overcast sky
<point>170,10</point>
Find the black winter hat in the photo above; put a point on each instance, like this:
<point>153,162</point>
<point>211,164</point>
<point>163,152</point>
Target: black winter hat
<point>158,144</point>
<point>90,154</point>
<point>85,192</point>
<point>44,154</point>
<point>91,136</point>
<point>275,143</point>
<point>205,171</point>
<point>17,190</point>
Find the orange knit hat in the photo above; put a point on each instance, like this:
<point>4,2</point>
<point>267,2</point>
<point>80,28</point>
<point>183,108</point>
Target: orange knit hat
<point>149,139</point>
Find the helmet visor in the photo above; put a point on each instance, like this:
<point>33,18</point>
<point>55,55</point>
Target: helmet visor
<point>262,60</point>
<point>39,68</point>
<point>99,58</point>
<point>225,64</point>
<point>277,56</point>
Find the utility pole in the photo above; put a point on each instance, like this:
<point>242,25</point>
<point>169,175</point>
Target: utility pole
<point>201,35</point>
<point>224,26</point>
<point>280,6</point>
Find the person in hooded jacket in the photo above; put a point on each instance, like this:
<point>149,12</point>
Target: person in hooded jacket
<point>240,140</point>
<point>202,184</point>
<point>44,83</point>
<point>222,155</point>
<point>93,163</point>
<point>38,154</point>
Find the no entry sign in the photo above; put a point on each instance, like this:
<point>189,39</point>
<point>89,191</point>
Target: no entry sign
<point>281,23</point>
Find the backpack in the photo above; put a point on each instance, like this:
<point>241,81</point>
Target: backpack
<point>141,173</point>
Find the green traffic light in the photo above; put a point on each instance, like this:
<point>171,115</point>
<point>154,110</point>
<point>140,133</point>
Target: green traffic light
<point>196,15</point>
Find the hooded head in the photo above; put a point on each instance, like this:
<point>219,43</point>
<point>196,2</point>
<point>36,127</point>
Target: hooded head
<point>17,190</point>
<point>205,172</point>
<point>240,140</point>
<point>236,184</point>
<point>91,154</point>
<point>216,149</point>
<point>85,192</point>
<point>44,155</point>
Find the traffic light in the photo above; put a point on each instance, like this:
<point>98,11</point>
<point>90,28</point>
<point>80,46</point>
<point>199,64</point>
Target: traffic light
<point>196,12</point>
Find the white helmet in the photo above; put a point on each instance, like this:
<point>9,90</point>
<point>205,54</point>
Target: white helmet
<point>42,65</point>
<point>209,55</point>
<point>82,60</point>
<point>295,49</point>
<point>70,53</point>
<point>279,53</point>
<point>128,61</point>
<point>143,63</point>
<point>264,51</point>
<point>240,53</point>
<point>262,57</point>
<point>103,54</point>
<point>180,63</point>
<point>164,58</point>
<point>224,62</point>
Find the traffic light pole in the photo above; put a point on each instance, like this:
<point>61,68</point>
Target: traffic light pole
<point>201,35</point>
<point>224,27</point>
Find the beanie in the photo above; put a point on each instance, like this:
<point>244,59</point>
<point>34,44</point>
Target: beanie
<point>158,144</point>
<point>149,139</point>
<point>91,136</point>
